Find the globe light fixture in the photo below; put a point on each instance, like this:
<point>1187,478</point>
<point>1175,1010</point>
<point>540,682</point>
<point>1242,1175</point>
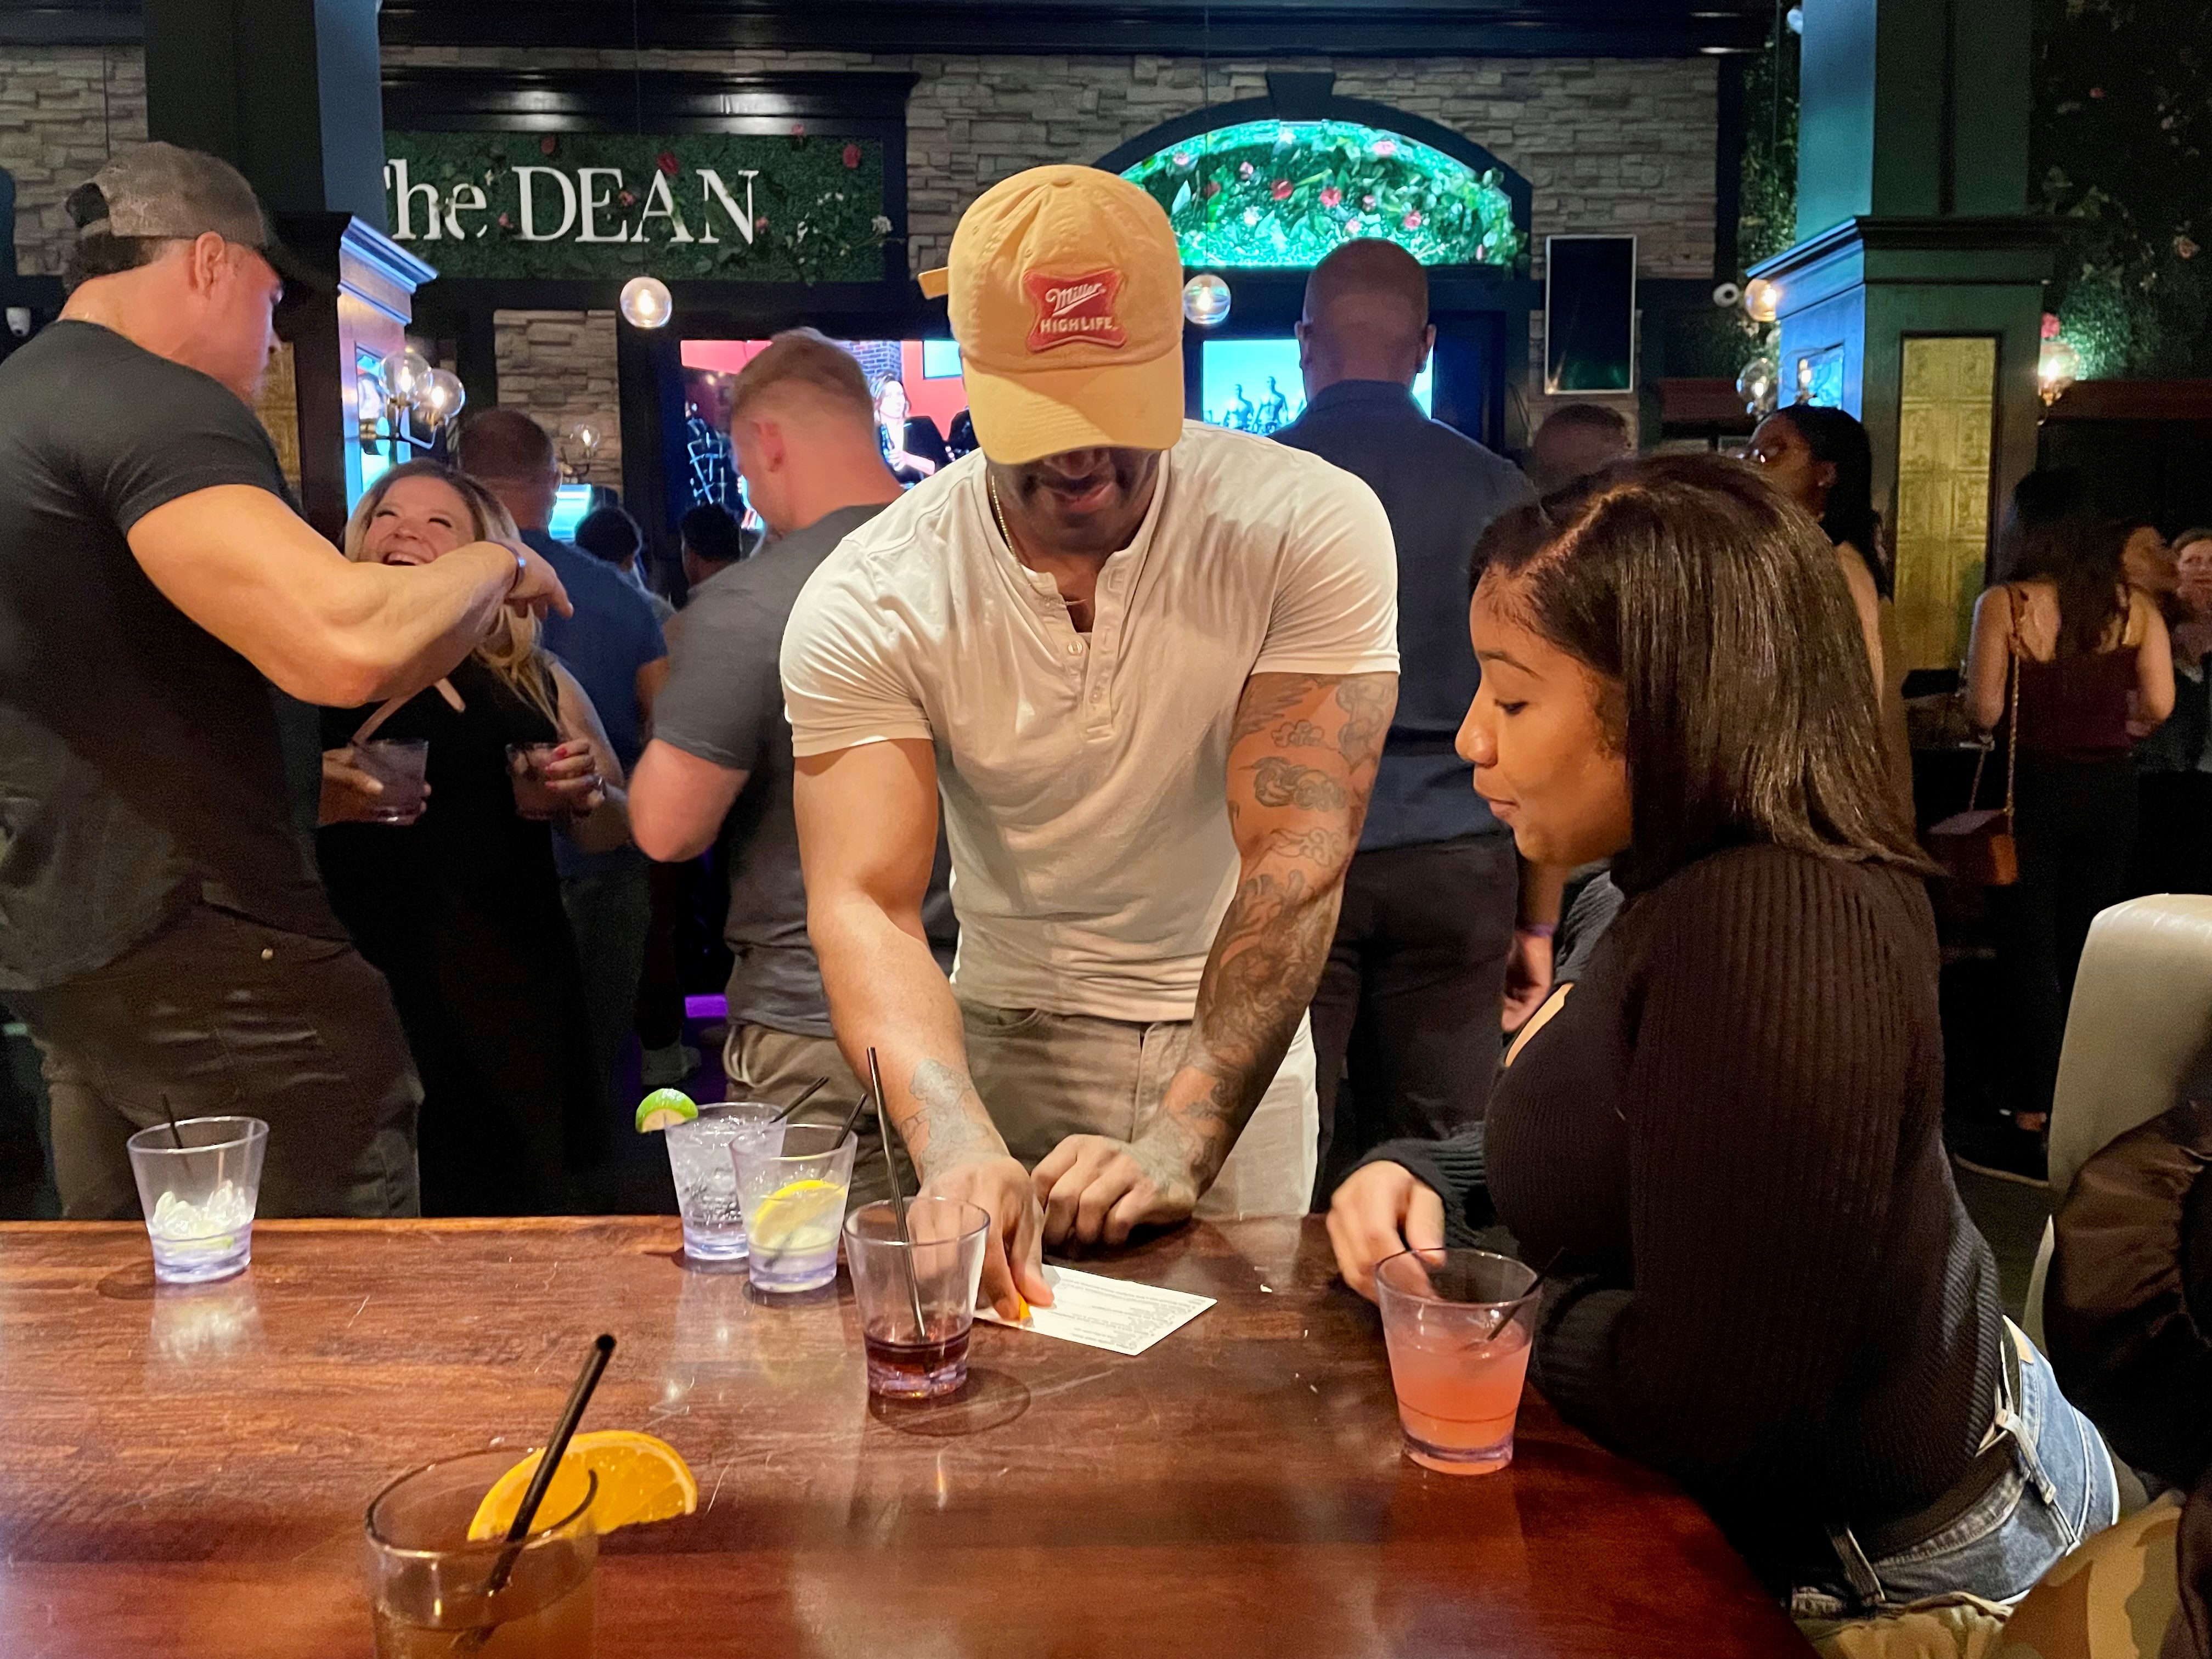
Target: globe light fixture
<point>1754,383</point>
<point>1762,300</point>
<point>2058,366</point>
<point>442,398</point>
<point>1206,300</point>
<point>578,442</point>
<point>646,302</point>
<point>404,373</point>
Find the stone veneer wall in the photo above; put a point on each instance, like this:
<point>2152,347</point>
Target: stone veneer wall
<point>61,108</point>
<point>1609,145</point>
<point>560,366</point>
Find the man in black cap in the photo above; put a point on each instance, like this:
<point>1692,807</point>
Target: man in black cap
<point>162,931</point>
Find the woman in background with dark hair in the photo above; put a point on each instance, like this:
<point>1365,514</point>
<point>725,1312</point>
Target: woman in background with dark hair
<point>2095,671</point>
<point>1820,459</point>
<point>1725,1136</point>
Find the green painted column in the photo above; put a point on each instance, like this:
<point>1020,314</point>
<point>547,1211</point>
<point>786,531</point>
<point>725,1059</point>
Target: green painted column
<point>1914,295</point>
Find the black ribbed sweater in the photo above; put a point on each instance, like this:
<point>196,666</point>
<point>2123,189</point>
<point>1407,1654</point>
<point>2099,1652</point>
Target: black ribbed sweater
<point>1731,1128</point>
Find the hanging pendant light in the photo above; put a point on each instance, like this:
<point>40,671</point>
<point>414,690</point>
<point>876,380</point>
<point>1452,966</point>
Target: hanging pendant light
<point>646,302</point>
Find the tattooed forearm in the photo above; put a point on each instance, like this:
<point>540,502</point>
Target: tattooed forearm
<point>947,1124</point>
<point>1302,761</point>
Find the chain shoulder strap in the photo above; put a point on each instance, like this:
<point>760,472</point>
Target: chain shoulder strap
<point>2012,734</point>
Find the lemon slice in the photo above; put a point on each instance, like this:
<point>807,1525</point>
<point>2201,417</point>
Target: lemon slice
<point>801,1215</point>
<point>663,1107</point>
<point>640,1479</point>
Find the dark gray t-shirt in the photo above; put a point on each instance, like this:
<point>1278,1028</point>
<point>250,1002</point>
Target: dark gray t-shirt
<point>724,703</point>
<point>141,769</point>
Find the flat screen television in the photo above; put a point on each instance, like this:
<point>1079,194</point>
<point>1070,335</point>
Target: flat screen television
<point>1253,384</point>
<point>927,372</point>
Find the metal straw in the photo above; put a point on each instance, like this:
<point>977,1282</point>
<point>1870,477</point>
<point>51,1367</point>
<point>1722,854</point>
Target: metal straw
<point>810,1091</point>
<point>898,1200</point>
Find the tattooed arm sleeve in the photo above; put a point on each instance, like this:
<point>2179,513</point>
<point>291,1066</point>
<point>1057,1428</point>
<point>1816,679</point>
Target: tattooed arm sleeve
<point>1301,762</point>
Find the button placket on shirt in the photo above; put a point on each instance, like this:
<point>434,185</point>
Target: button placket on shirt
<point>1110,616</point>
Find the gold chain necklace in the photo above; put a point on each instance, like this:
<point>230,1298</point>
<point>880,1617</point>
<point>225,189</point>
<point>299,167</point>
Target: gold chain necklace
<point>991,486</point>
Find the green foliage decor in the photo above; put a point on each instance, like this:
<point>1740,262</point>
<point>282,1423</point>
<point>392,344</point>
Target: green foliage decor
<point>1273,193</point>
<point>2122,127</point>
<point>817,202</point>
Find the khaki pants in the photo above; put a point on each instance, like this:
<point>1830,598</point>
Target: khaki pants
<point>1046,1076</point>
<point>762,1063</point>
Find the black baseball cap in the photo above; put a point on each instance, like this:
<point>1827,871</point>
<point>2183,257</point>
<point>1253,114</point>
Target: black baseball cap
<point>165,190</point>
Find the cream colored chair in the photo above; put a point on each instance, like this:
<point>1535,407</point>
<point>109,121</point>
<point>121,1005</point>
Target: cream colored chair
<point>2141,1019</point>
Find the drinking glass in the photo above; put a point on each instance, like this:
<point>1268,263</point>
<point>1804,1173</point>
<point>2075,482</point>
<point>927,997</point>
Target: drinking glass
<point>397,764</point>
<point>526,766</point>
<point>429,1588</point>
<point>197,1186</point>
<point>917,1296</point>
<point>1458,1350</point>
<point>794,1197</point>
<point>706,1179</point>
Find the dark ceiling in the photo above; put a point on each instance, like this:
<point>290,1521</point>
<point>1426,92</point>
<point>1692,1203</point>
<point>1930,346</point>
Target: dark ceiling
<point>1245,27</point>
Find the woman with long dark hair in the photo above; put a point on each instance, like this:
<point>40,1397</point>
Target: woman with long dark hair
<point>1820,459</point>
<point>1724,1137</point>
<point>2095,669</point>
<point>460,908</point>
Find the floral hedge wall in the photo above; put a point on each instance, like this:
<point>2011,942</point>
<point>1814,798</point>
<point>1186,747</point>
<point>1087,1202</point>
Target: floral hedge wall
<point>1284,193</point>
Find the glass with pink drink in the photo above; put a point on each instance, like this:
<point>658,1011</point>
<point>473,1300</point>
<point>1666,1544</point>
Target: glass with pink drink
<point>1458,1324</point>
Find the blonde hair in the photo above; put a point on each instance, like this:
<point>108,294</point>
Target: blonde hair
<point>511,649</point>
<point>804,357</point>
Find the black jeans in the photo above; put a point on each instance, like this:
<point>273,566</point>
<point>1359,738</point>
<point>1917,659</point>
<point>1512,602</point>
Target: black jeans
<point>2075,822</point>
<point>2174,840</point>
<point>219,1015</point>
<point>1405,1022</point>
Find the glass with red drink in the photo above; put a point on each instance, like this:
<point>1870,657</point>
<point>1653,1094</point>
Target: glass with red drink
<point>917,1296</point>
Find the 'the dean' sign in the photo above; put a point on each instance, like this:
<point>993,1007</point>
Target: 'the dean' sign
<point>612,205</point>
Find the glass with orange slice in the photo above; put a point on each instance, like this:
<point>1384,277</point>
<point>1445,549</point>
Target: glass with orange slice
<point>436,1533</point>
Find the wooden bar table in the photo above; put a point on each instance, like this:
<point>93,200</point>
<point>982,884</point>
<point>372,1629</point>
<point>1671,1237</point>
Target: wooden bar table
<point>182,1472</point>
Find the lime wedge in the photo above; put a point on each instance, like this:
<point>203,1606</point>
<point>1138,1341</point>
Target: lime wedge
<point>663,1107</point>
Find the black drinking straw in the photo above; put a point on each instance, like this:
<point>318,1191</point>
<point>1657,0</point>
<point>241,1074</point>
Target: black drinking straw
<point>169,1112</point>
<point>898,1200</point>
<point>595,1364</point>
<point>810,1091</point>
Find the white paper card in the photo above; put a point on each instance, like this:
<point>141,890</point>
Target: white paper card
<point>1106,1313</point>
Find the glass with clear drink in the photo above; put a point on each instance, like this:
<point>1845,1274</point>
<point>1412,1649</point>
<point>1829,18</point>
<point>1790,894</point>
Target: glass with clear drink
<point>706,1176</point>
<point>793,1195</point>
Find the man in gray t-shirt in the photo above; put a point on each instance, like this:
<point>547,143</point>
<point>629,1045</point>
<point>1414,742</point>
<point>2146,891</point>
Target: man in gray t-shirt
<point>804,427</point>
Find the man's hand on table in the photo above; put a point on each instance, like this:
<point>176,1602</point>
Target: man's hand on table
<point>1379,1210</point>
<point>1095,1189</point>
<point>1001,1186</point>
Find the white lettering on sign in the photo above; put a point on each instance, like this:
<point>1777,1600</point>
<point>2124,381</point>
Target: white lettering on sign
<point>595,204</point>
<point>395,178</point>
<point>712,190</point>
<point>660,205</point>
<point>526,179</point>
<point>463,199</point>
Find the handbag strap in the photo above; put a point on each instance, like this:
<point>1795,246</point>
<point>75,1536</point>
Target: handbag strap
<point>2012,734</point>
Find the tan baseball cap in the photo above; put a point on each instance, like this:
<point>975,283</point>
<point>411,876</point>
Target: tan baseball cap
<point>1066,293</point>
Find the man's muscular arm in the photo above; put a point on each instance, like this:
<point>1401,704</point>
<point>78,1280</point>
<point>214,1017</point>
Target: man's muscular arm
<point>868,832</point>
<point>1302,762</point>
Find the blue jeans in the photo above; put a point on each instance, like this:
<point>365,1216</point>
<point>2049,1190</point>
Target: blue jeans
<point>2060,1489</point>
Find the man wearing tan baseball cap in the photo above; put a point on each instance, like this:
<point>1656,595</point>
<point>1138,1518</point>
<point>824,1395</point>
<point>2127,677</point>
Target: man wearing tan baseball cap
<point>1148,666</point>
<point>167,938</point>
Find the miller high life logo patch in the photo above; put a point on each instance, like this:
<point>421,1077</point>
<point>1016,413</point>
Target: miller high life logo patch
<point>1072,308</point>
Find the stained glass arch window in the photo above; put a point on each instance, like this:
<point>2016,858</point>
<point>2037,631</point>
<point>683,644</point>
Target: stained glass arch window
<point>1275,192</point>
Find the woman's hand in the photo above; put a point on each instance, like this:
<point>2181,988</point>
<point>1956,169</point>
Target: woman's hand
<point>351,795</point>
<point>1378,1211</point>
<point>572,777</point>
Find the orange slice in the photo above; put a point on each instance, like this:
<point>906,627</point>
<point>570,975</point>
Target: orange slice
<point>640,1479</point>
